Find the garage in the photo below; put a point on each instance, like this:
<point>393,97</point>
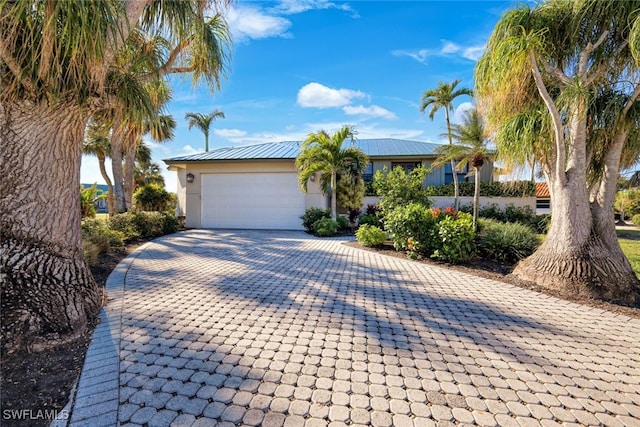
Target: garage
<point>259,200</point>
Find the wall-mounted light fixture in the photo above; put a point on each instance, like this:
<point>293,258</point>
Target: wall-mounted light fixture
<point>312,178</point>
<point>190,177</point>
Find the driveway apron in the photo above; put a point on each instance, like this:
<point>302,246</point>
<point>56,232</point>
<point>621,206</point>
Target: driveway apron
<point>216,327</point>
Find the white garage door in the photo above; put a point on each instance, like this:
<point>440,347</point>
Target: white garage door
<point>252,201</point>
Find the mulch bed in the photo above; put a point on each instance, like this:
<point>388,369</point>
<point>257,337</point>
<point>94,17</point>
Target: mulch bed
<point>42,381</point>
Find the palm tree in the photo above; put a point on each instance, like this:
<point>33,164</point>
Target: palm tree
<point>203,122</point>
<point>567,72</point>
<point>470,148</point>
<point>58,69</point>
<point>442,97</point>
<point>325,154</point>
<point>98,143</point>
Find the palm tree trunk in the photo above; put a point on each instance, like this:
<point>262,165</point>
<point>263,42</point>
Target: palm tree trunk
<point>47,287</point>
<point>581,254</point>
<point>334,189</point>
<point>456,189</point>
<point>476,198</point>
<point>129,174</point>
<point>117,147</point>
<point>103,171</point>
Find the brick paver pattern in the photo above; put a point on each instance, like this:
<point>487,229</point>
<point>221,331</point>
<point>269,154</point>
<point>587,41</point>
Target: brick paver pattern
<point>280,328</point>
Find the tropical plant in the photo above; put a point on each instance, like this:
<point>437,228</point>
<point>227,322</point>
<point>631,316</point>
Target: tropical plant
<point>97,142</point>
<point>506,242</point>
<point>399,188</point>
<point>470,149</point>
<point>146,171</point>
<point>443,97</point>
<point>561,80</point>
<point>350,192</point>
<point>628,202</point>
<point>152,197</point>
<point>203,122</point>
<point>311,215</point>
<point>325,227</point>
<point>370,235</point>
<point>324,154</point>
<point>88,198</point>
<point>58,67</point>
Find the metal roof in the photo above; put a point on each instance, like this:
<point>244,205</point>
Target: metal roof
<point>387,147</point>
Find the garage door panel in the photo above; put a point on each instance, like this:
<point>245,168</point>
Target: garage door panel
<point>252,200</point>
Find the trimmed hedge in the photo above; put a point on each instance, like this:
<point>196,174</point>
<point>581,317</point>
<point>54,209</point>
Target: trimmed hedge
<point>487,189</point>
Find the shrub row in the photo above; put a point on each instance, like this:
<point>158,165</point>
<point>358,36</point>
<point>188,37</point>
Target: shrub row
<point>487,189</point>
<point>524,215</point>
<point>99,236</point>
<point>636,220</point>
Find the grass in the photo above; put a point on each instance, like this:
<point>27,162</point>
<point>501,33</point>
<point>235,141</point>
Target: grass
<point>631,249</point>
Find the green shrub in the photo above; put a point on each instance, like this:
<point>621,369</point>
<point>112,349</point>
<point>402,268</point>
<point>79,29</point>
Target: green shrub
<point>171,224</point>
<point>636,220</point>
<point>370,220</point>
<point>312,215</point>
<point>456,243</point>
<point>149,224</point>
<point>343,223</point>
<point>325,227</point>
<point>125,224</point>
<point>90,252</point>
<point>369,235</point>
<point>98,232</point>
<point>397,188</point>
<point>412,227</point>
<point>152,197</point>
<point>506,242</point>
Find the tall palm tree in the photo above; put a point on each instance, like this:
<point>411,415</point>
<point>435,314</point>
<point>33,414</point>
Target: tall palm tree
<point>470,148</point>
<point>443,97</point>
<point>203,122</point>
<point>325,154</point>
<point>568,69</point>
<point>97,142</point>
<point>58,69</point>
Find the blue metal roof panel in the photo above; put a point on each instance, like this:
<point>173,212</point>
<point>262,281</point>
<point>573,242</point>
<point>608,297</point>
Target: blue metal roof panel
<point>386,147</point>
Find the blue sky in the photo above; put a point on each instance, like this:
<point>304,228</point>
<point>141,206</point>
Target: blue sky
<point>298,66</point>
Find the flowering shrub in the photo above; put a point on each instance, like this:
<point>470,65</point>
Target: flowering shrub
<point>443,234</point>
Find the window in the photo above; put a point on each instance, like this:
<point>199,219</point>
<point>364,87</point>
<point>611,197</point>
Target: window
<point>407,166</point>
<point>543,203</point>
<point>462,174</point>
<point>367,176</point>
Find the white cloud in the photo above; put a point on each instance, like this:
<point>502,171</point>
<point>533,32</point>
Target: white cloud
<point>458,114</point>
<point>474,52</point>
<point>289,7</point>
<point>419,55</point>
<point>320,96</point>
<point>229,133</point>
<point>251,23</point>
<point>370,111</point>
<point>188,149</point>
<point>448,49</point>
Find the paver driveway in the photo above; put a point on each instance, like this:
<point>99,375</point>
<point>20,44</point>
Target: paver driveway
<point>279,328</point>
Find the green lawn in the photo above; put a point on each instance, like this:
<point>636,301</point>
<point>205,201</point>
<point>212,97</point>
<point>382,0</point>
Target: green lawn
<point>631,249</point>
